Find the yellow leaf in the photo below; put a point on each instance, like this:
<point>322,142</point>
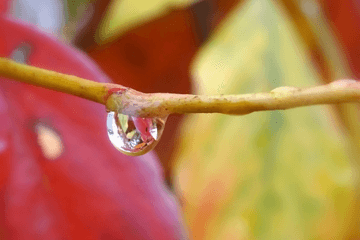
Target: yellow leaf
<point>125,14</point>
<point>272,175</point>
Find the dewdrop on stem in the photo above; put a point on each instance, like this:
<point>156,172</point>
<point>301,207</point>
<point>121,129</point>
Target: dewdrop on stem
<point>134,136</point>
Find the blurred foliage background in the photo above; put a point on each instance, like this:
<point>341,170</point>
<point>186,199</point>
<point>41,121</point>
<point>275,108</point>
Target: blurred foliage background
<point>271,175</point>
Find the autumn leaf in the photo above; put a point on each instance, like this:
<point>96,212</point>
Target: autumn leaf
<point>270,175</point>
<point>151,49</point>
<point>60,176</point>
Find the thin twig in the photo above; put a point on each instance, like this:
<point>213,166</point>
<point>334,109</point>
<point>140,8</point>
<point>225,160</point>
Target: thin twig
<point>73,85</point>
<point>160,104</point>
<point>131,102</point>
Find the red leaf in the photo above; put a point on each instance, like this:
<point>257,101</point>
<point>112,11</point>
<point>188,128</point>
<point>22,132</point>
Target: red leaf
<point>156,56</point>
<point>4,6</point>
<point>344,17</point>
<point>90,191</point>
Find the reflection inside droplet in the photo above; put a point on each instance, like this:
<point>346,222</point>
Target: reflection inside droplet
<point>133,135</point>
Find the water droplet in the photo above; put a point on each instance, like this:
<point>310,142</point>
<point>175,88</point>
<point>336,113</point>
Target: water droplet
<point>133,135</point>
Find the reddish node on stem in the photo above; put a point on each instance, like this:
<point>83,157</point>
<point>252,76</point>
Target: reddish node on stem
<point>112,91</point>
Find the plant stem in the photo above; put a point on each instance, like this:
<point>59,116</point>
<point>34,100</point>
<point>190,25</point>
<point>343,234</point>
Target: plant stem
<point>131,102</point>
<point>135,103</point>
<point>73,85</point>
